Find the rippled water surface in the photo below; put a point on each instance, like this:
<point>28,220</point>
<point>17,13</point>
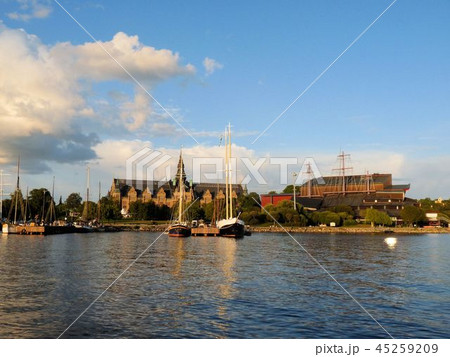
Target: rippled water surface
<point>263,286</point>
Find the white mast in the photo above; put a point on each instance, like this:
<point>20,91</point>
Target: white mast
<point>230,181</point>
<point>226,176</point>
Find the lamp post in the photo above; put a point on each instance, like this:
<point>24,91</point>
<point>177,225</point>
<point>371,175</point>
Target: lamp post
<point>294,175</point>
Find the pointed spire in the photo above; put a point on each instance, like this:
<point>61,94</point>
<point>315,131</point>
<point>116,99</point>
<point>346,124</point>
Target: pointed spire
<point>180,168</point>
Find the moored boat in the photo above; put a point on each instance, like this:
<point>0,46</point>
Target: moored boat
<point>179,230</point>
<point>230,227</point>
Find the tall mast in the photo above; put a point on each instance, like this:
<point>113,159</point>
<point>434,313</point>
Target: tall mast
<point>230,179</point>
<point>26,208</point>
<point>180,183</point>
<point>342,170</point>
<point>88,180</point>
<point>52,203</point>
<point>309,173</point>
<point>99,198</point>
<point>1,195</point>
<point>226,176</point>
<point>17,190</point>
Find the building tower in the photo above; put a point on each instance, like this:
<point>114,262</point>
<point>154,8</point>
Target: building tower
<point>183,173</point>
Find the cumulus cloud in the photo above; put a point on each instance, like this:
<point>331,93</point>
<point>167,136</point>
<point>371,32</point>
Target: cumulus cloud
<point>31,9</point>
<point>135,113</point>
<point>113,155</point>
<point>49,110</point>
<point>211,65</point>
<point>145,63</point>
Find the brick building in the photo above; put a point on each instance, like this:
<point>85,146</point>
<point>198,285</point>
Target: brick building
<point>125,192</point>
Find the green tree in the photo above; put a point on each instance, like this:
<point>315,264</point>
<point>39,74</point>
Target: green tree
<point>39,200</point>
<point>249,202</point>
<point>290,189</point>
<point>195,211</point>
<point>413,215</point>
<point>109,209</point>
<point>73,202</point>
<point>375,217</point>
<point>427,204</point>
<point>343,208</point>
<point>138,210</point>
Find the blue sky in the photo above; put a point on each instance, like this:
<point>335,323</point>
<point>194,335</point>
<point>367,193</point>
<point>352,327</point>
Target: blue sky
<point>385,101</point>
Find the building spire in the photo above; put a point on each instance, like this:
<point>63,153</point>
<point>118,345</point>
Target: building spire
<point>180,169</point>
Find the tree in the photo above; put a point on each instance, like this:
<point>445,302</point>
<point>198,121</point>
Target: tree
<point>249,202</point>
<point>427,203</point>
<point>195,211</point>
<point>73,202</point>
<point>290,189</point>
<point>343,208</point>
<point>109,209</point>
<point>374,217</point>
<point>39,202</point>
<point>413,215</point>
<point>209,211</point>
<point>138,210</point>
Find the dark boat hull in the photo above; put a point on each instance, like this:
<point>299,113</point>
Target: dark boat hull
<point>179,231</point>
<point>235,230</point>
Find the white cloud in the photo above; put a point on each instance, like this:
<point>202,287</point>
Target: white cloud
<point>113,154</point>
<point>47,98</point>
<point>145,63</point>
<point>134,114</point>
<point>31,9</point>
<point>211,65</point>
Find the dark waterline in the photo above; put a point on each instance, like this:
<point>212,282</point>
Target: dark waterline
<point>263,286</point>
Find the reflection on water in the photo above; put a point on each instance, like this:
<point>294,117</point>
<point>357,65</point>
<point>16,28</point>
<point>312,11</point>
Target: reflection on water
<point>262,286</point>
<point>391,242</point>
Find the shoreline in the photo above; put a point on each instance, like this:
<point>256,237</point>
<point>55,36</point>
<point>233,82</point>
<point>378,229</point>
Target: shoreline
<point>142,227</point>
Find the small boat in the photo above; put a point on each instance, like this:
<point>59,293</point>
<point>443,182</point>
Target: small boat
<point>230,227</point>
<point>180,228</point>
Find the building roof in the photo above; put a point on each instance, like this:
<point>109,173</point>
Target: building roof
<point>169,187</point>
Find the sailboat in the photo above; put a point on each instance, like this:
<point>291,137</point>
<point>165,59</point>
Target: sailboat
<point>180,228</point>
<point>230,226</point>
<point>8,227</point>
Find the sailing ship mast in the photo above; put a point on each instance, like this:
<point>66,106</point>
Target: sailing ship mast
<point>231,226</point>
<point>17,190</point>
<point>180,183</point>
<point>230,181</point>
<point>228,177</point>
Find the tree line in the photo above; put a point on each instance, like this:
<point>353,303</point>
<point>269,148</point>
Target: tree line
<point>39,202</point>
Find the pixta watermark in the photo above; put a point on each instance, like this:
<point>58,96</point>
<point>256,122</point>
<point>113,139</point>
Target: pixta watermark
<point>148,165</point>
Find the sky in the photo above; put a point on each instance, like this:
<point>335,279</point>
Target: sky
<point>172,74</point>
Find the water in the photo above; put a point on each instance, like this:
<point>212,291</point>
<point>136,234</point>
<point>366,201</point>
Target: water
<point>263,286</point>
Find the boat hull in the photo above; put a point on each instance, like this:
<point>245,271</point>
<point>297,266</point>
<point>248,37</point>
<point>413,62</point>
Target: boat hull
<point>234,230</point>
<point>179,230</point>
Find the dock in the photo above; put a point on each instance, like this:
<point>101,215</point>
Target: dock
<point>47,230</point>
<point>205,232</point>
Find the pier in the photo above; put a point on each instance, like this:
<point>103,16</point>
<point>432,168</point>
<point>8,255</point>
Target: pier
<point>205,232</point>
<point>47,230</point>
